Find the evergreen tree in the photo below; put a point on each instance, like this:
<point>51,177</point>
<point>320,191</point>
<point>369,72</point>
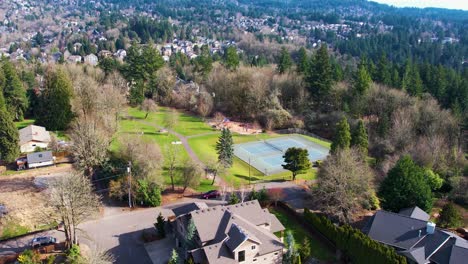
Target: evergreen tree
<point>137,94</point>
<point>297,161</point>
<point>14,92</point>
<point>412,82</point>
<point>305,250</point>
<point>284,62</point>
<point>291,254</point>
<point>160,225</point>
<point>405,186</point>
<point>231,58</point>
<point>9,138</point>
<point>204,62</point>
<point>55,111</point>
<point>2,85</point>
<point>359,138</point>
<point>383,74</point>
<point>450,217</point>
<point>190,235</point>
<point>224,148</point>
<point>342,139</point>
<point>303,62</point>
<point>362,80</point>
<point>319,77</point>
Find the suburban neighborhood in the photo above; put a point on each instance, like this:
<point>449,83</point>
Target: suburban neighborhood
<point>218,132</point>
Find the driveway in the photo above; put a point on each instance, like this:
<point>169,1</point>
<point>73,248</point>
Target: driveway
<point>119,232</point>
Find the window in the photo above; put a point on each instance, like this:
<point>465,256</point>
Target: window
<point>253,247</point>
<point>254,260</point>
<point>241,256</point>
<point>276,253</point>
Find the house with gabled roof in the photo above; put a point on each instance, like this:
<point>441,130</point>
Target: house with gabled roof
<point>240,233</point>
<point>32,137</point>
<point>412,234</point>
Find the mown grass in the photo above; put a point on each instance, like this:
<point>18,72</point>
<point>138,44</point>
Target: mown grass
<point>202,139</point>
<point>318,249</point>
<point>24,123</point>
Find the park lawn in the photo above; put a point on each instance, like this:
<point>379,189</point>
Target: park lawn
<point>24,123</point>
<point>187,124</point>
<point>238,174</point>
<point>318,249</point>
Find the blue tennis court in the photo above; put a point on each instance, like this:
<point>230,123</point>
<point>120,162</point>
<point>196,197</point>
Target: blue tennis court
<point>267,155</point>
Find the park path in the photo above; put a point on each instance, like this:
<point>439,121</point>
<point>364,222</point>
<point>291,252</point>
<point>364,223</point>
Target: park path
<point>184,140</point>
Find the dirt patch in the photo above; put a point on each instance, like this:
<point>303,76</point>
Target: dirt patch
<point>237,127</point>
<point>25,200</point>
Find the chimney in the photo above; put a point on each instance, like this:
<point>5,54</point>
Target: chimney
<point>430,228</point>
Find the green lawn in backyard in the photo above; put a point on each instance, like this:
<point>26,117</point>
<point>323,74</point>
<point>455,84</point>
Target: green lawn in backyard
<point>24,123</point>
<point>318,249</point>
<point>13,229</point>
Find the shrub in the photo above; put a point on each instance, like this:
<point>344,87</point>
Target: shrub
<point>353,243</point>
<point>233,199</point>
<point>74,255</point>
<point>449,216</point>
<point>148,193</point>
<point>160,225</point>
<point>29,257</point>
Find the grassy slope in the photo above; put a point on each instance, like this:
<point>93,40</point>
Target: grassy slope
<point>318,249</point>
<point>24,123</point>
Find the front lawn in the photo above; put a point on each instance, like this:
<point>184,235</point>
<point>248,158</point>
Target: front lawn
<point>24,123</point>
<point>318,249</point>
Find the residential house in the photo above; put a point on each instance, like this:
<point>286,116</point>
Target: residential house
<point>120,54</point>
<point>105,54</point>
<point>91,59</point>
<point>74,59</point>
<point>412,234</point>
<point>40,159</point>
<point>33,136</point>
<point>240,233</point>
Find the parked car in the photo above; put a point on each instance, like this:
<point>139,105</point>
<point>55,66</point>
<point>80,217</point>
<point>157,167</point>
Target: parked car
<point>42,241</point>
<point>211,194</point>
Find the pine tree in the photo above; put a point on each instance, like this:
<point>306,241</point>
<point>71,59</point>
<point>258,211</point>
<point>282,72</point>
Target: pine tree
<point>9,138</point>
<point>14,92</point>
<point>303,62</point>
<point>450,217</point>
<point>383,75</point>
<point>190,235</point>
<point>233,199</point>
<point>362,80</point>
<point>291,254</point>
<point>160,225</point>
<point>2,85</point>
<point>285,61</point>
<point>55,111</point>
<point>224,148</point>
<point>319,77</point>
<point>342,139</point>
<point>359,138</point>
<point>231,59</point>
<point>412,82</point>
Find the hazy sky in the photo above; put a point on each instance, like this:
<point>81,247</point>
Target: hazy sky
<point>452,4</point>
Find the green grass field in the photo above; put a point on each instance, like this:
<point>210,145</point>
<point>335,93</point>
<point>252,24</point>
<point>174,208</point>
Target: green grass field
<point>24,123</point>
<point>318,249</point>
<point>202,139</point>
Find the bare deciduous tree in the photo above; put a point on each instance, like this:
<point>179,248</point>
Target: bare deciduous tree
<point>204,104</point>
<point>276,194</point>
<point>73,201</point>
<point>191,175</point>
<point>148,106</point>
<point>171,119</point>
<point>344,184</point>
<point>171,153</point>
<point>89,144</point>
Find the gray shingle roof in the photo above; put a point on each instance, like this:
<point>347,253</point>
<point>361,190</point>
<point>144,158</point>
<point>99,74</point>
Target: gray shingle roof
<point>38,157</point>
<point>33,133</point>
<point>185,209</point>
<point>409,235</point>
<point>415,212</point>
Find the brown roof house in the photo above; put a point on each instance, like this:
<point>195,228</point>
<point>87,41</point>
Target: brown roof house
<point>240,233</point>
<point>32,137</point>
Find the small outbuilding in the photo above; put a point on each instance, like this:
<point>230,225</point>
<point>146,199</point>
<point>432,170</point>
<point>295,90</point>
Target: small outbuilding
<point>40,159</point>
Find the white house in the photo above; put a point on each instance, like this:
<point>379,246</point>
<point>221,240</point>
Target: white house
<point>33,136</point>
<point>91,59</point>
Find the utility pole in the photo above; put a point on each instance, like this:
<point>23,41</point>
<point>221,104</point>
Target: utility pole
<point>249,170</point>
<point>129,171</point>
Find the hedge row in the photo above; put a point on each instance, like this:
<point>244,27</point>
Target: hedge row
<point>354,244</point>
